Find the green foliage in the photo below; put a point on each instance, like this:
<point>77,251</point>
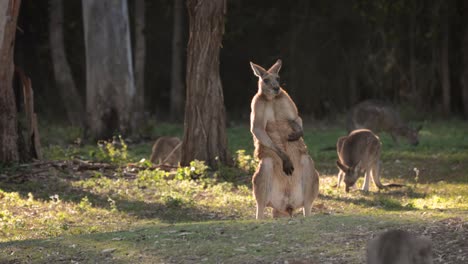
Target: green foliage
<point>85,204</point>
<point>111,152</point>
<point>196,170</point>
<point>246,162</point>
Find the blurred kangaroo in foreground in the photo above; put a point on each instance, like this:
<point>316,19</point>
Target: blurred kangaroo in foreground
<point>286,178</point>
<point>379,116</point>
<point>359,151</point>
<point>399,247</point>
<point>166,150</point>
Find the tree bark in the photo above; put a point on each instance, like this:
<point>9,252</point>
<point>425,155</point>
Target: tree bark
<point>205,122</point>
<point>110,82</point>
<point>412,59</point>
<point>464,77</point>
<point>71,98</point>
<point>177,81</point>
<point>140,54</point>
<point>444,65</point>
<point>9,151</point>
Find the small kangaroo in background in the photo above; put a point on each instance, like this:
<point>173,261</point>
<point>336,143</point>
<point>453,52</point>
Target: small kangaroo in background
<point>399,247</point>
<point>359,151</point>
<point>286,178</point>
<point>379,116</point>
<point>166,150</point>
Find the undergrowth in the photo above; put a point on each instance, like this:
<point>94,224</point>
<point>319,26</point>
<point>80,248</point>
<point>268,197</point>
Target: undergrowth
<point>51,201</point>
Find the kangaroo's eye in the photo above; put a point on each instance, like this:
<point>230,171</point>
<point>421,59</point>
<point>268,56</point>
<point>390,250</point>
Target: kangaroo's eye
<point>266,81</point>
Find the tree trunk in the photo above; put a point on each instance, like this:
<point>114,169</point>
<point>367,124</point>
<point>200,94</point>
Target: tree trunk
<point>205,122</point>
<point>464,77</point>
<point>110,83</point>
<point>444,65</point>
<point>177,81</point>
<point>71,98</point>
<point>140,54</point>
<point>415,97</point>
<point>9,152</point>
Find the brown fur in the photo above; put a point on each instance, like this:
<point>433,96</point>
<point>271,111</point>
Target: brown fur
<point>166,150</point>
<point>286,178</point>
<point>360,150</point>
<point>379,116</point>
<point>399,247</point>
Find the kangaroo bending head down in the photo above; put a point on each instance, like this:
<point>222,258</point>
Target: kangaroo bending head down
<point>380,116</point>
<point>360,151</point>
<point>286,178</point>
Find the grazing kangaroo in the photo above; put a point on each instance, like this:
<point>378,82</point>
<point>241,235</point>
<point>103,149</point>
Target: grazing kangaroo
<point>399,247</point>
<point>286,178</point>
<point>359,151</point>
<point>379,116</point>
<point>166,150</point>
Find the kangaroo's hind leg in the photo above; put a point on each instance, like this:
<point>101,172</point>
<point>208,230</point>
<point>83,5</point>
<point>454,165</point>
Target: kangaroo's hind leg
<point>376,175</point>
<point>310,183</point>
<point>261,182</point>
<point>367,176</point>
<point>340,178</point>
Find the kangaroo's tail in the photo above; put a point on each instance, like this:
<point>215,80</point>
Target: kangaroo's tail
<point>394,185</point>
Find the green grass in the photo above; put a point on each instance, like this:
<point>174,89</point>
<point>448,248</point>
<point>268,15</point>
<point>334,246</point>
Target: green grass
<point>56,212</point>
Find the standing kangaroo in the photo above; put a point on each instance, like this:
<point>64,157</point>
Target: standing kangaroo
<point>360,150</point>
<point>399,247</point>
<point>379,116</point>
<point>286,178</point>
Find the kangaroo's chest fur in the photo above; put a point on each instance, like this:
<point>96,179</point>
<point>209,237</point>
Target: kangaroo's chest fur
<point>284,192</point>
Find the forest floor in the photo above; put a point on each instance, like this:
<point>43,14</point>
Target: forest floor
<point>104,204</point>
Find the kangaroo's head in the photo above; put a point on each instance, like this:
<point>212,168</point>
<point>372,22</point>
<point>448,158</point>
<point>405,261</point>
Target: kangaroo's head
<point>351,174</point>
<point>411,134</point>
<point>268,80</point>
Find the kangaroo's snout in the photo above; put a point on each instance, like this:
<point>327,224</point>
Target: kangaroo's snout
<point>276,89</point>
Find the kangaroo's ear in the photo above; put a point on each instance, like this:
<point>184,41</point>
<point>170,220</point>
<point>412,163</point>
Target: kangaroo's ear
<point>341,166</point>
<point>276,67</point>
<point>258,70</point>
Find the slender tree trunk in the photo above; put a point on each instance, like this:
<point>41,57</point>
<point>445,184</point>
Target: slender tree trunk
<point>412,57</point>
<point>9,151</point>
<point>109,73</point>
<point>71,98</point>
<point>177,81</point>
<point>205,122</point>
<point>464,77</point>
<point>444,65</point>
<point>140,54</point>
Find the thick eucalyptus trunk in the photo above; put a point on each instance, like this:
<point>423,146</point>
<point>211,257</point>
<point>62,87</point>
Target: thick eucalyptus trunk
<point>205,125</point>
<point>110,84</point>
<point>177,81</point>
<point>444,66</point>
<point>9,151</point>
<point>140,54</point>
<point>72,100</point>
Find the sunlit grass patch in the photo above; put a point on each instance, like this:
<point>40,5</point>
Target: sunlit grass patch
<point>151,215</point>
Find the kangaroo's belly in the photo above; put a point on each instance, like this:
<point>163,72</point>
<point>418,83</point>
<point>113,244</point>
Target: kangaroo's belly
<point>286,192</point>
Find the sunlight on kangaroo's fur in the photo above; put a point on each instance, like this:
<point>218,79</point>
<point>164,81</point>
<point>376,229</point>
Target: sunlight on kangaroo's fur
<point>286,178</point>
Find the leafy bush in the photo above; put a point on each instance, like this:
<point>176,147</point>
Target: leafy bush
<point>246,162</point>
<point>113,151</point>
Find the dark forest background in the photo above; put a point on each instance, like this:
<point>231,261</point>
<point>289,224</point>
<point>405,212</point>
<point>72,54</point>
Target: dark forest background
<point>335,53</point>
